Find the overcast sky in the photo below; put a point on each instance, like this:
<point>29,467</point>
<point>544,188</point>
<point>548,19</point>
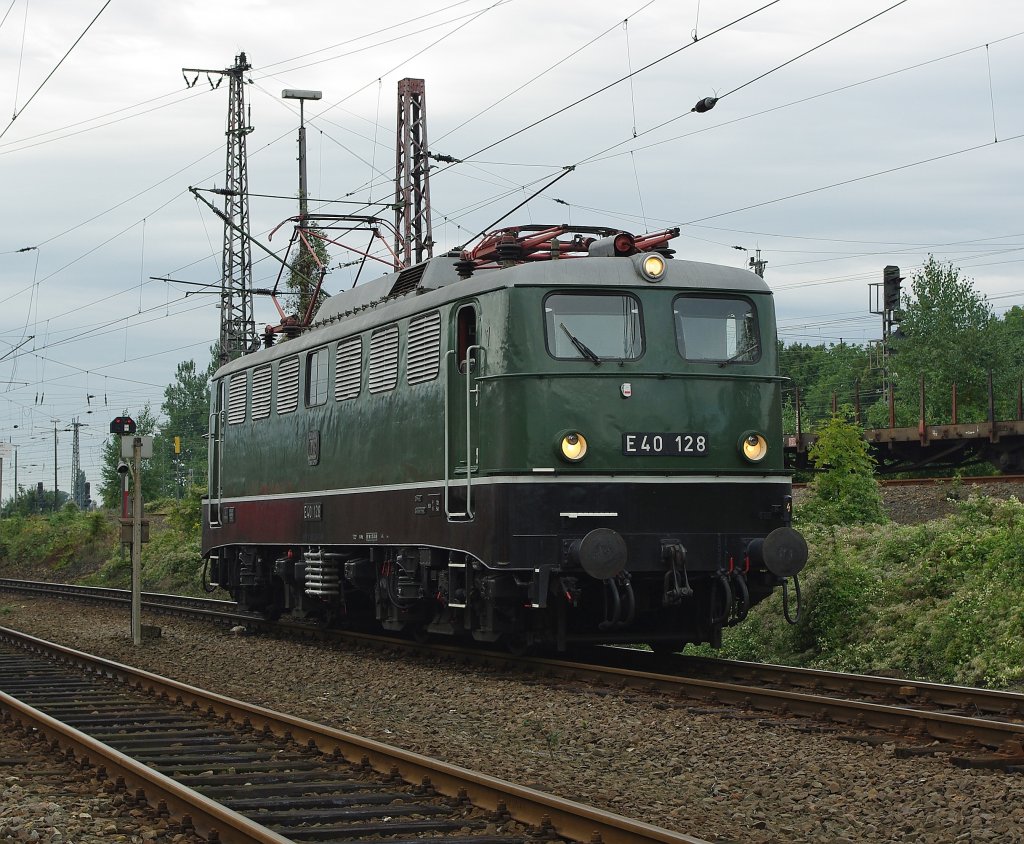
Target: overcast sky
<point>900,138</point>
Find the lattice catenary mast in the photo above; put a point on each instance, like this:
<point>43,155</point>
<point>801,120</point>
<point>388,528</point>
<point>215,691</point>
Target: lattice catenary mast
<point>237,324</point>
<point>77,479</point>
<point>413,240</point>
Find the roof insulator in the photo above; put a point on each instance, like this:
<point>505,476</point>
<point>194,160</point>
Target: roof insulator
<point>465,267</point>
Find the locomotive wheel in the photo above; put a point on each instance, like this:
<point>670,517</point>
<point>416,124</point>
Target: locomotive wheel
<point>517,644</point>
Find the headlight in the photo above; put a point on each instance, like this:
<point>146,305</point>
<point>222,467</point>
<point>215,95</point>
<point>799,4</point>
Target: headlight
<point>753,447</point>
<point>650,265</point>
<point>573,447</point>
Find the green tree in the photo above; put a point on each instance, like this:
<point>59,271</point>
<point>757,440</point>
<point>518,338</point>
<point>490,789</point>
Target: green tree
<point>29,501</point>
<point>1009,378</point>
<point>845,490</point>
<point>820,372</point>
<point>950,336</point>
<point>185,415</point>
<point>307,268</point>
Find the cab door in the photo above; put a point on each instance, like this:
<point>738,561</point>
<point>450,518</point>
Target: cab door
<point>461,434</point>
<point>215,450</point>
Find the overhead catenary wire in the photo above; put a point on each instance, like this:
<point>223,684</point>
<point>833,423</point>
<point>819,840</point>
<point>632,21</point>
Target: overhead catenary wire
<point>293,198</point>
<point>618,81</point>
<point>17,113</point>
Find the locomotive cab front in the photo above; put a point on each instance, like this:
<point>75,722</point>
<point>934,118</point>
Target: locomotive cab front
<point>635,428</point>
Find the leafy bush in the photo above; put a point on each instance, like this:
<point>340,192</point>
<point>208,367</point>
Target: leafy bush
<point>846,492</point>
<point>942,601</point>
<point>67,541</point>
<point>171,561</point>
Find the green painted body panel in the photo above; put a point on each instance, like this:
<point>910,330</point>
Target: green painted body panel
<point>524,397</point>
<point>525,407</point>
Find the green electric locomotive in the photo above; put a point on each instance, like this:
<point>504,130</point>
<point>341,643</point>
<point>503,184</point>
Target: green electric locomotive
<point>562,436</point>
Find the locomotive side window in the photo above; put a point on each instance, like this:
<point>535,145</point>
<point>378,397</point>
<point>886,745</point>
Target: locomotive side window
<point>237,397</point>
<point>348,375</point>
<point>288,385</point>
<point>316,377</point>
<point>465,335</point>
<point>383,369</point>
<point>261,381</point>
<point>423,348</point>
<point>719,328</point>
<point>593,326</point>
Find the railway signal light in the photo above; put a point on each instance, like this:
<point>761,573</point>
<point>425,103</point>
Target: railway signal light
<point>122,425</point>
<point>891,279</point>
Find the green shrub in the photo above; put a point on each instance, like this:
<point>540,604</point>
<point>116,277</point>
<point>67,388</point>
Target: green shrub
<point>846,491</point>
<point>942,601</point>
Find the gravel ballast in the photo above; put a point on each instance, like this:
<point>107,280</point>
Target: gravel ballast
<point>48,800</point>
<point>674,764</point>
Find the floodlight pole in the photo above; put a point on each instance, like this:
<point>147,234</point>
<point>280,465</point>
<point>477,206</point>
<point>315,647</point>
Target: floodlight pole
<point>302,96</point>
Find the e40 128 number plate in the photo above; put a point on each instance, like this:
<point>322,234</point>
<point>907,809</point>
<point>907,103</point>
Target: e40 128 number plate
<point>672,443</point>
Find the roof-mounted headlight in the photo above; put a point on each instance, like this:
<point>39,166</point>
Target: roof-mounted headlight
<point>650,265</point>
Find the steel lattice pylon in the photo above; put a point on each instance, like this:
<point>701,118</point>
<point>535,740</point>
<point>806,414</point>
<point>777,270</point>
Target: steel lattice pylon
<point>77,480</point>
<point>237,324</point>
<point>413,239</point>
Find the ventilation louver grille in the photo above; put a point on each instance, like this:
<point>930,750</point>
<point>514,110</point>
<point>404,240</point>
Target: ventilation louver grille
<point>408,279</point>
<point>288,385</point>
<point>349,372</point>
<point>236,398</point>
<point>424,348</point>
<point>383,370</point>
<point>261,381</point>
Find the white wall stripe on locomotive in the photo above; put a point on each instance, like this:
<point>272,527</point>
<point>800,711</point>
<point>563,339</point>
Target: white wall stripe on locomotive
<point>383,370</point>
<point>513,480</point>
<point>288,385</point>
<point>348,377</point>
<point>423,348</point>
<point>262,379</point>
<point>237,396</point>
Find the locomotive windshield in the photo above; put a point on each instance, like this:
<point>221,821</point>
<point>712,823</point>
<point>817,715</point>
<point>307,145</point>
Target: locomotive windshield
<point>720,328</point>
<point>593,326</point>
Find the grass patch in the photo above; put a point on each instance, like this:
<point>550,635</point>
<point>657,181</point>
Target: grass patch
<point>941,601</point>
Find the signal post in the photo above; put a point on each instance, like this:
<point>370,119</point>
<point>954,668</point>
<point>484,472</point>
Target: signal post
<point>136,448</point>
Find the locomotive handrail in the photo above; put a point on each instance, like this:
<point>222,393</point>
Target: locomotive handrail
<point>215,456</point>
<point>467,515</point>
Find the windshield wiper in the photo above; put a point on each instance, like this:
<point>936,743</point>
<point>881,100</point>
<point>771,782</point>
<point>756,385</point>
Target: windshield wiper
<point>748,348</point>
<point>582,347</point>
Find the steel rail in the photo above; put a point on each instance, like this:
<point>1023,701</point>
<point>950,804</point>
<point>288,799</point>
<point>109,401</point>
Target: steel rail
<point>857,713</point>
<point>545,811</point>
<point>210,819</point>
<point>938,725</point>
<point>990,701</point>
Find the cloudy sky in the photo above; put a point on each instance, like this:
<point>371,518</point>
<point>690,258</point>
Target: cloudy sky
<point>833,152</point>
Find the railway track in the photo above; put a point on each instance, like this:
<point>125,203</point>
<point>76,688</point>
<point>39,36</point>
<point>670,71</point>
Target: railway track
<point>967,723</point>
<point>233,772</point>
